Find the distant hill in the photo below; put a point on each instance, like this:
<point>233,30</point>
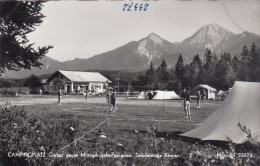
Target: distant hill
<point>137,55</point>
<point>49,66</point>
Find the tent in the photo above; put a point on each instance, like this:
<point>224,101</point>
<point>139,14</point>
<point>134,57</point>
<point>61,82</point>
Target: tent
<point>165,95</point>
<point>141,95</point>
<point>211,91</point>
<point>241,106</point>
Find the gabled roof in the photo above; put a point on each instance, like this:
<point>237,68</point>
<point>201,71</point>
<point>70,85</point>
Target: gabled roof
<point>43,81</point>
<point>206,87</point>
<point>82,76</point>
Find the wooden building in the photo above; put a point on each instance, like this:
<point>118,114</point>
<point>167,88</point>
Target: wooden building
<point>77,82</point>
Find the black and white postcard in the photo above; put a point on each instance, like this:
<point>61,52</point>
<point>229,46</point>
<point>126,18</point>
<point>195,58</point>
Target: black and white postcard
<point>130,82</point>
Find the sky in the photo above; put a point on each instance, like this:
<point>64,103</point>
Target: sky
<point>82,29</point>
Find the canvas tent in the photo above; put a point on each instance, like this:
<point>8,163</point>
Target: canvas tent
<point>241,106</point>
<point>165,95</point>
<point>210,91</point>
<point>141,95</point>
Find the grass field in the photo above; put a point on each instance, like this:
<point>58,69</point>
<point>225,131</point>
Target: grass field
<point>132,115</point>
<point>128,127</point>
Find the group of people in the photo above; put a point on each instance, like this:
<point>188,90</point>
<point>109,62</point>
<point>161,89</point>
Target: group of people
<point>201,96</point>
<point>187,99</point>
<point>110,97</point>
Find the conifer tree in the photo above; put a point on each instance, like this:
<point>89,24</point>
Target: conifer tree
<point>253,63</point>
<point>17,20</point>
<point>179,68</point>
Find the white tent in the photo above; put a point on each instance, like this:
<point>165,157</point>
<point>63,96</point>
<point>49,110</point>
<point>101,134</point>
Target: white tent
<point>141,95</point>
<point>241,106</point>
<point>160,95</point>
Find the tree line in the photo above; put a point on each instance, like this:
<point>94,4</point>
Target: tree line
<point>217,71</point>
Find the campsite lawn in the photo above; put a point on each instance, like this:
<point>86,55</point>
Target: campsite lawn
<point>132,115</point>
<point>139,126</point>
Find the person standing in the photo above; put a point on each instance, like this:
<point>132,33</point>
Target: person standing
<point>204,96</point>
<point>126,95</point>
<point>108,96</point>
<point>40,91</point>
<point>183,94</point>
<point>187,104</point>
<point>86,95</point>
<point>198,98</point>
<point>113,101</point>
<point>59,96</point>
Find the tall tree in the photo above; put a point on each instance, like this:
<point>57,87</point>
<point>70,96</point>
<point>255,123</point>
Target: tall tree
<point>5,83</point>
<point>258,65</point>
<point>17,20</point>
<point>245,54</point>
<point>150,74</point>
<point>33,82</point>
<point>225,75</point>
<point>253,63</point>
<point>164,73</point>
<point>236,65</point>
<point>214,58</point>
<point>179,68</point>
<point>245,58</point>
<point>197,60</point>
<point>163,65</point>
<point>209,66</point>
<point>194,70</point>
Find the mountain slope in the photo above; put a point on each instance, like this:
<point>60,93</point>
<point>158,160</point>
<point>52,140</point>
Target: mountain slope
<point>235,44</point>
<point>49,66</point>
<point>136,55</point>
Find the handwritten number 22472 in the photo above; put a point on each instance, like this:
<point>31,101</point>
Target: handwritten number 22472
<point>135,7</point>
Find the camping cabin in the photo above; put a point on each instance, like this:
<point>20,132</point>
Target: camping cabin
<point>211,92</point>
<point>77,82</point>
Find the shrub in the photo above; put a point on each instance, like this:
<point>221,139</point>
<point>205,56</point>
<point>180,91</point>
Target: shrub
<point>22,133</point>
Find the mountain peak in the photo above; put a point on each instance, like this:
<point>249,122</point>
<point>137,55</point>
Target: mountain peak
<point>209,36</point>
<point>151,47</point>
<point>213,29</point>
<point>155,38</point>
<point>213,25</point>
<point>153,35</point>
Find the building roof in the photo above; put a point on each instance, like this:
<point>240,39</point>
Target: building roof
<point>206,87</point>
<point>82,76</point>
<point>43,81</point>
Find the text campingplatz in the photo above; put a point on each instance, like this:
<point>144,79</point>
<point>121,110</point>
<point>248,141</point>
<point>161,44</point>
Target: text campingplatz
<point>88,155</point>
